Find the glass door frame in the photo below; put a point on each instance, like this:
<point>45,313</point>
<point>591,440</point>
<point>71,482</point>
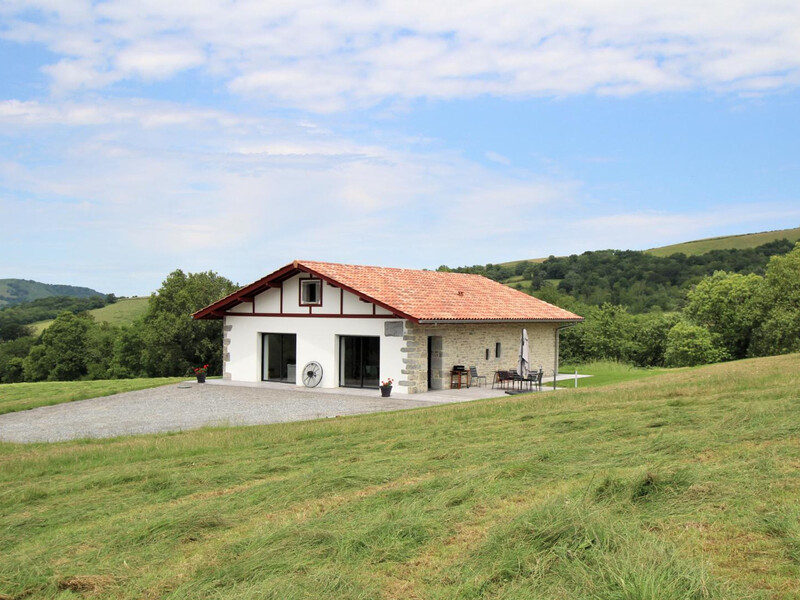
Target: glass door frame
<point>291,374</point>
<point>363,358</point>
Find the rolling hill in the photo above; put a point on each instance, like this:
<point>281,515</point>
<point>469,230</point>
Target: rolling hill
<point>17,291</point>
<point>745,240</point>
<point>121,312</point>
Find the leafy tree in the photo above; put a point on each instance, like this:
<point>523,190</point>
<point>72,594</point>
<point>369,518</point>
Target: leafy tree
<point>607,333</point>
<point>779,333</point>
<point>689,345</point>
<point>13,319</point>
<point>61,354</point>
<point>649,338</point>
<point>100,350</point>
<point>12,355</point>
<point>642,282</point>
<point>729,305</point>
<point>36,367</point>
<point>173,341</point>
<point>126,361</point>
<point>11,329</point>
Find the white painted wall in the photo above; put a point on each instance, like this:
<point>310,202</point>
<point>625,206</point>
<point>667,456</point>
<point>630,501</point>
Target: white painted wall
<point>244,307</point>
<point>317,340</point>
<point>269,301</point>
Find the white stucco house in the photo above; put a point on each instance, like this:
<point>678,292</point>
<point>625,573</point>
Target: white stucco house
<point>364,324</point>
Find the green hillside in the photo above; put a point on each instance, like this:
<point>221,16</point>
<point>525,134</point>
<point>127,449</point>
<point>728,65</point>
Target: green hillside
<point>680,486</point>
<point>16,291</point>
<point>747,240</point>
<point>121,312</point>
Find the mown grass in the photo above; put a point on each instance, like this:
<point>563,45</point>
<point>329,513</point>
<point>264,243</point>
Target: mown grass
<point>22,396</point>
<point>121,312</point>
<point>606,372</point>
<point>747,240</point>
<point>680,486</point>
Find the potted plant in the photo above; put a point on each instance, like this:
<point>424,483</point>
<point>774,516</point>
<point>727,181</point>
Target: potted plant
<point>201,373</point>
<point>386,387</point>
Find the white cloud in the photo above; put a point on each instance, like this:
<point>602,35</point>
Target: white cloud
<point>325,55</point>
<point>17,113</point>
<point>158,60</point>
<point>201,193</point>
<point>498,158</point>
<point>108,202</point>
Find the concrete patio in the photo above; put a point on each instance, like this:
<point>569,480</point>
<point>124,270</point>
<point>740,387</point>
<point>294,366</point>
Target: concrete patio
<point>465,394</point>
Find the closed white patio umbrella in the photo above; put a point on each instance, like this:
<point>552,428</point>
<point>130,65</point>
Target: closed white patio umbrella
<point>524,363</point>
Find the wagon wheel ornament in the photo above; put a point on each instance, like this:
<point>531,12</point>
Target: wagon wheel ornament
<point>312,374</point>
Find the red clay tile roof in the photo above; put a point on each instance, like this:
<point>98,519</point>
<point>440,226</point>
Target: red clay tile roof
<point>419,295</point>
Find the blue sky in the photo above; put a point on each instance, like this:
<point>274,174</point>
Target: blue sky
<point>137,137</point>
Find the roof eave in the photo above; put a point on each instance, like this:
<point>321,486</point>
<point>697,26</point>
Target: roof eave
<point>521,320</point>
<point>216,310</point>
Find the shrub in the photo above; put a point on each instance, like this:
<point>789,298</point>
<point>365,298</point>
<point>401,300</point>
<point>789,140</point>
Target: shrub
<point>689,345</point>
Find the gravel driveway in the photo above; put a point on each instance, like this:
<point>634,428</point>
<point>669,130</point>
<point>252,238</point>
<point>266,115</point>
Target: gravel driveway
<point>186,406</point>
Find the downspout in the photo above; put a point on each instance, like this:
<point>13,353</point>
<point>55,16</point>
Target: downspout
<point>555,357</point>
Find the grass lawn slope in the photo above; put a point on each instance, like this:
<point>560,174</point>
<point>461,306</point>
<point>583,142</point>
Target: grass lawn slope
<point>747,240</point>
<point>728,242</point>
<point>606,372</point>
<point>682,485</point>
<point>22,396</point>
<point>120,312</point>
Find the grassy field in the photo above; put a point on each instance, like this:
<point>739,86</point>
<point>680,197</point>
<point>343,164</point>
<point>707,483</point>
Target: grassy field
<point>604,372</point>
<point>747,240</point>
<point>680,486</point>
<point>22,396</point>
<point>121,312</point>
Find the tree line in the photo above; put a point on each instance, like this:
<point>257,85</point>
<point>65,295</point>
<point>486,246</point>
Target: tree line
<point>15,320</point>
<point>725,316</point>
<point>639,281</point>
<point>678,310</point>
<point>165,341</point>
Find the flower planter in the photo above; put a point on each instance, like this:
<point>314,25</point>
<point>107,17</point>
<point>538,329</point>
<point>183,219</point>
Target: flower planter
<point>386,391</point>
<point>201,378</point>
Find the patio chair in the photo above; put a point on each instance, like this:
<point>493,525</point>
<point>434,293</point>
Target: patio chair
<point>534,379</point>
<point>501,377</point>
<point>473,376</point>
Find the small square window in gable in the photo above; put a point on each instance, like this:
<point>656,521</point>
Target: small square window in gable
<point>310,292</point>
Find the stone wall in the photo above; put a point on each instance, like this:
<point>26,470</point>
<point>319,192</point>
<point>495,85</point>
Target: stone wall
<point>467,344</point>
<point>226,351</point>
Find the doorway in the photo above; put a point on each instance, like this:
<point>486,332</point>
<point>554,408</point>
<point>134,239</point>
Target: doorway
<point>435,381</point>
<point>279,362</point>
<point>359,361</point>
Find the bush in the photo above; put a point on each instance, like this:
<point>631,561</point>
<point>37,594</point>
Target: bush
<point>689,345</point>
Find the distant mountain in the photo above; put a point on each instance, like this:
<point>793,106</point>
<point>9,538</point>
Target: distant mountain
<point>16,291</point>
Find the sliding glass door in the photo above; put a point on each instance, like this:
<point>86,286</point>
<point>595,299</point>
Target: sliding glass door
<point>359,361</point>
<point>279,357</point>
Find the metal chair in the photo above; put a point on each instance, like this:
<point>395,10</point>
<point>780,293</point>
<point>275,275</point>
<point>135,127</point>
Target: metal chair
<point>534,380</point>
<point>473,375</point>
<point>500,378</point>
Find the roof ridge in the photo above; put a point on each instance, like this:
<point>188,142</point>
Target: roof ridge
<point>415,294</point>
